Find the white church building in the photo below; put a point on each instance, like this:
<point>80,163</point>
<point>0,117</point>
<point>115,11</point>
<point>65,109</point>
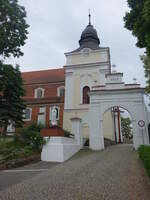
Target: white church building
<point>94,95</point>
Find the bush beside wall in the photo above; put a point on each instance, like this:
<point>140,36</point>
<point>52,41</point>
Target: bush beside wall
<point>24,147</point>
<point>144,154</point>
<point>30,136</point>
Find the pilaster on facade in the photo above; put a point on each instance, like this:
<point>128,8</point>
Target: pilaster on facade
<point>68,90</point>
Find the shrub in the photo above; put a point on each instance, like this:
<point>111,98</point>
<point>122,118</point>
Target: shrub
<point>28,150</point>
<point>6,144</point>
<point>15,153</point>
<point>30,136</point>
<point>144,154</point>
<point>68,134</point>
<point>35,127</point>
<point>24,144</point>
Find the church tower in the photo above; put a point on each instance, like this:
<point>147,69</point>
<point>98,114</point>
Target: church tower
<point>85,69</point>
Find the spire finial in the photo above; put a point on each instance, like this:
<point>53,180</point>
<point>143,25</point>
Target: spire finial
<point>89,17</point>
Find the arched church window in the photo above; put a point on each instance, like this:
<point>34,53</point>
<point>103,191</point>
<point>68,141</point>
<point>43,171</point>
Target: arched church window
<point>39,93</point>
<point>86,99</point>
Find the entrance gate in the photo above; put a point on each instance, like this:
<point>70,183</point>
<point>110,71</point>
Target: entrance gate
<point>131,100</point>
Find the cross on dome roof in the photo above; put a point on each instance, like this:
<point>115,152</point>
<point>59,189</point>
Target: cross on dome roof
<point>89,37</point>
<point>89,17</point>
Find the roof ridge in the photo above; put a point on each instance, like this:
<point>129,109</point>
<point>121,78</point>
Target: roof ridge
<point>43,70</point>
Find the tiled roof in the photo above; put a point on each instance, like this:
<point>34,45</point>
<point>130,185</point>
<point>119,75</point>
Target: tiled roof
<point>44,76</point>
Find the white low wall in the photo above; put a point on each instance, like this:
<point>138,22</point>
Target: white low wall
<point>59,149</point>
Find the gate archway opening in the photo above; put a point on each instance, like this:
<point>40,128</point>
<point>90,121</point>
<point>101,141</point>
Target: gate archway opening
<point>117,126</point>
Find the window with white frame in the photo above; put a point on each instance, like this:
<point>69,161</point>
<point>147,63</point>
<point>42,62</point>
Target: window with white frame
<point>27,114</point>
<point>57,112</point>
<point>61,91</point>
<point>42,115</point>
<point>39,93</point>
<point>42,110</point>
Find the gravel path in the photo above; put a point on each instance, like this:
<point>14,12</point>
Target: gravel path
<point>113,174</point>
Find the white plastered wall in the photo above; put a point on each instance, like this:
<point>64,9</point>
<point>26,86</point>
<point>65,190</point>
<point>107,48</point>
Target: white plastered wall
<point>100,55</point>
<point>69,114</point>
<point>108,126</point>
<point>83,71</point>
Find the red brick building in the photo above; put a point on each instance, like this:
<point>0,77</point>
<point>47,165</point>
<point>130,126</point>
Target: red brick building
<point>44,90</point>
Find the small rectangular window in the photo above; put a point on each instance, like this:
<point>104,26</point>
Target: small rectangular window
<point>42,110</point>
<point>62,92</point>
<point>27,114</point>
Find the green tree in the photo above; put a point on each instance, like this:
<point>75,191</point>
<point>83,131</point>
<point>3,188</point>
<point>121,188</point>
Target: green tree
<point>126,127</point>
<point>13,33</point>
<point>137,20</point>
<point>11,93</point>
<point>13,28</point>
<point>146,61</point>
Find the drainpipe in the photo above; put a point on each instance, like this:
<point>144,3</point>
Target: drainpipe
<point>119,125</point>
<point>115,128</point>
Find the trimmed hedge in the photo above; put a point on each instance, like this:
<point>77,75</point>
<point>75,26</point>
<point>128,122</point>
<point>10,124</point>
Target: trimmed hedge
<point>144,154</point>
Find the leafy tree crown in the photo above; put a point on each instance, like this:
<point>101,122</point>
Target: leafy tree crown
<point>13,28</point>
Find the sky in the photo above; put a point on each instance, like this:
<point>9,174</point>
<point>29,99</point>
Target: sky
<point>56,27</point>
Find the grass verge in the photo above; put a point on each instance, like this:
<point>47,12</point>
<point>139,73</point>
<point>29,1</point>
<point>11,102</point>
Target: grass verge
<point>144,154</point>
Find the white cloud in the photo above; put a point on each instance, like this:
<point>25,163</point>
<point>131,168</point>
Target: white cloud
<point>56,26</point>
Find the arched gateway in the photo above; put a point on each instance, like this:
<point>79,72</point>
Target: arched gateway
<point>129,98</point>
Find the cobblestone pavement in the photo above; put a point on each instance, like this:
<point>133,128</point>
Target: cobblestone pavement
<point>113,174</point>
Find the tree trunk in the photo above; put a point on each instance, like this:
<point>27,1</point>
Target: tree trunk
<point>4,131</point>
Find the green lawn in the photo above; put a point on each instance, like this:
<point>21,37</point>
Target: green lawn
<point>144,154</point>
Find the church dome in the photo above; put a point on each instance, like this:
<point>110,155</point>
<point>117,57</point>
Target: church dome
<point>89,37</point>
<point>89,34</point>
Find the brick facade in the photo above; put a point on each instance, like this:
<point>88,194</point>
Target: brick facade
<point>49,81</point>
